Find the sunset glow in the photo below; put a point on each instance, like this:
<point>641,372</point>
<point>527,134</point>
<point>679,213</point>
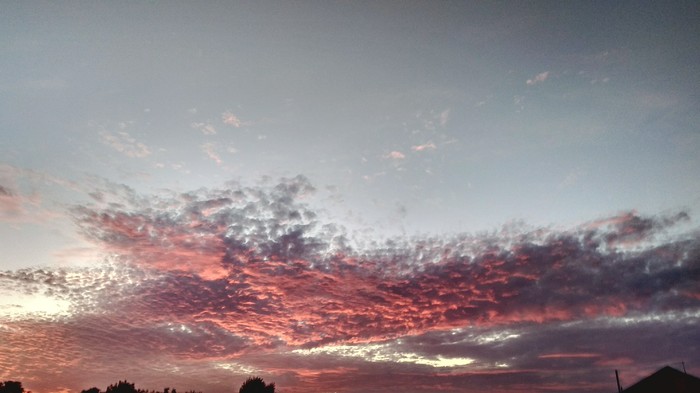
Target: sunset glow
<point>348,197</point>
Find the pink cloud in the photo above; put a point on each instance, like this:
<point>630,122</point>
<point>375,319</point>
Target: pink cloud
<point>290,275</point>
<point>539,78</point>
<point>249,278</point>
<point>229,118</point>
<point>424,147</point>
<point>10,203</point>
<point>395,155</point>
<point>20,208</point>
<point>204,128</point>
<point>124,143</point>
<point>569,356</point>
<point>211,151</point>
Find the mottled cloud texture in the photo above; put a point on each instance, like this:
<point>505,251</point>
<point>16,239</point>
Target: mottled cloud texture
<point>201,289</point>
<point>124,143</point>
<point>539,78</point>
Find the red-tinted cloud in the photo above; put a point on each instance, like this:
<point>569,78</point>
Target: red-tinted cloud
<point>249,279</point>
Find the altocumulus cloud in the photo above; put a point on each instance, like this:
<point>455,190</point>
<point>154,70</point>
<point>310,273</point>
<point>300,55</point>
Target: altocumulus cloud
<point>216,281</point>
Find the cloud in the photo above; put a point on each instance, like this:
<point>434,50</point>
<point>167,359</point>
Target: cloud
<point>572,179</point>
<point>518,101</point>
<point>629,228</point>
<point>124,143</point>
<point>444,117</point>
<point>385,353</point>
<point>569,355</point>
<point>286,266</point>
<point>429,120</point>
<point>233,120</point>
<point>20,208</point>
<point>210,150</point>
<point>10,203</point>
<point>21,192</point>
<point>251,276</point>
<point>424,147</point>
<point>395,155</point>
<point>204,128</point>
<point>539,78</point>
<point>4,191</point>
<point>230,119</point>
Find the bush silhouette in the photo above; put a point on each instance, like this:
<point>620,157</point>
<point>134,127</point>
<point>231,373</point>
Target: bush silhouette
<point>11,387</point>
<point>122,387</point>
<point>256,385</point>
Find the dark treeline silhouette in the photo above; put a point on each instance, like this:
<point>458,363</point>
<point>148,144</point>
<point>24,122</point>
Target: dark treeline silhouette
<point>256,385</point>
<point>127,387</point>
<point>11,387</point>
<point>251,385</point>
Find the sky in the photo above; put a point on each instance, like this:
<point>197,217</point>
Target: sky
<point>349,196</point>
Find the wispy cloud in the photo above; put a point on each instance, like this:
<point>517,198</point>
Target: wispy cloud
<point>124,143</point>
<point>444,117</point>
<point>569,355</point>
<point>539,78</point>
<point>21,205</point>
<point>395,155</point>
<point>572,178</point>
<point>204,128</point>
<point>229,118</point>
<point>424,147</point>
<point>10,203</point>
<point>519,102</point>
<point>428,121</point>
<point>211,150</point>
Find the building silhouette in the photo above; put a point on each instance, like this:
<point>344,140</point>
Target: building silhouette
<point>666,380</point>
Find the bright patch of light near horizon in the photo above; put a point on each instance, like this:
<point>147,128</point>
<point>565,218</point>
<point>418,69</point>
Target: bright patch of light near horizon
<point>673,316</point>
<point>493,337</point>
<point>178,328</point>
<point>485,338</point>
<point>18,305</point>
<point>236,367</point>
<point>384,353</point>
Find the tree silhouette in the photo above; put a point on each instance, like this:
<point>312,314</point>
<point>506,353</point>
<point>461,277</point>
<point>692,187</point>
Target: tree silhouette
<point>256,385</point>
<point>11,387</point>
<point>122,387</point>
<point>127,387</point>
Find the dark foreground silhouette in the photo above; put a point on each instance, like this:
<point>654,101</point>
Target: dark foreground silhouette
<point>11,387</point>
<point>666,380</point>
<point>127,387</point>
<point>256,385</point>
<point>251,385</point>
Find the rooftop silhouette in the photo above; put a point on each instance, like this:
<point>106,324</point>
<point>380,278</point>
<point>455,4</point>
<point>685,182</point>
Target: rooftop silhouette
<point>666,380</point>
